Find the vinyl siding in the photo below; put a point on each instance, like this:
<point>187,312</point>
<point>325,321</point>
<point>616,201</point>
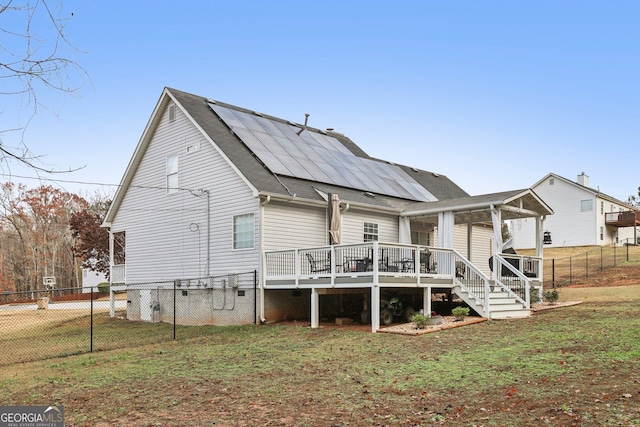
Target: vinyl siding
<point>166,234</point>
<point>287,225</point>
<point>568,225</point>
<point>481,248</point>
<point>353,226</point>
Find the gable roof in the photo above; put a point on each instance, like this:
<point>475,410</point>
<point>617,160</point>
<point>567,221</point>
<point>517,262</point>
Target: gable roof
<point>595,192</point>
<point>513,204</point>
<point>253,168</point>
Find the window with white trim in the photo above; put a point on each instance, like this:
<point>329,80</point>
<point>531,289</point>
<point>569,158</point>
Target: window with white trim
<point>172,174</point>
<point>243,231</point>
<point>370,231</point>
<point>586,205</point>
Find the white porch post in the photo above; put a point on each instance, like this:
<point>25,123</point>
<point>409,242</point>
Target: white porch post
<point>496,221</point>
<point>446,222</point>
<point>540,251</point>
<point>315,308</point>
<point>539,232</point>
<point>426,300</point>
<point>375,308</point>
<point>469,238</point>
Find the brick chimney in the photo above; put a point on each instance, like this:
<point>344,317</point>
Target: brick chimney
<point>583,179</point>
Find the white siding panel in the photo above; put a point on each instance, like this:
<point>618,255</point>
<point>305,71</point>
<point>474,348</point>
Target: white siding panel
<point>353,226</point>
<point>568,225</point>
<point>288,225</point>
<point>166,234</point>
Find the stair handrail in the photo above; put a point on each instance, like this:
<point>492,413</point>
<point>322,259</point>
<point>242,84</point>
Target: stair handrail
<point>501,262</point>
<point>471,268</point>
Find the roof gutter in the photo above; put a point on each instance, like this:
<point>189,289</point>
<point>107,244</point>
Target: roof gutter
<point>322,203</point>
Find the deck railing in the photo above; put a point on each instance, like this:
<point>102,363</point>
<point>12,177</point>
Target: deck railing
<point>515,274</point>
<point>118,273</point>
<point>472,280</point>
<point>355,260</point>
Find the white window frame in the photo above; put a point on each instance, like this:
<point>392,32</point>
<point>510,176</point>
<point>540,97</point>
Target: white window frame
<point>371,231</point>
<point>586,205</point>
<point>250,217</point>
<point>172,177</point>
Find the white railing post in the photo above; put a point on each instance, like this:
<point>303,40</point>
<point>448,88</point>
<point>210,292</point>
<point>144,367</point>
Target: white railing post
<point>296,266</point>
<point>332,258</point>
<point>487,290</point>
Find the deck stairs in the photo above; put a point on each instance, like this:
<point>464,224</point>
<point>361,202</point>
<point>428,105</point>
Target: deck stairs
<point>502,305</point>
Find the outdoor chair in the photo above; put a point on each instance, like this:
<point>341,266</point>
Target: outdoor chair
<point>321,266</point>
<point>515,262</point>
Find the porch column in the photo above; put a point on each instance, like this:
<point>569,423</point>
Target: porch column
<point>446,221</point>
<point>469,238</point>
<point>375,308</point>
<point>539,233</point>
<point>426,300</point>
<point>315,308</point>
<point>496,221</point>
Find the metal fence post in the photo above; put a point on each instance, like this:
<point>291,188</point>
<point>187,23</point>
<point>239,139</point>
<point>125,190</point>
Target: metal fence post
<point>601,259</point>
<point>174,309</point>
<point>255,296</point>
<point>553,272</point>
<point>587,265</point>
<point>570,269</point>
<point>614,255</point>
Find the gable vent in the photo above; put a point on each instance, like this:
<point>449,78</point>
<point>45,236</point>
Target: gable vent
<point>172,112</point>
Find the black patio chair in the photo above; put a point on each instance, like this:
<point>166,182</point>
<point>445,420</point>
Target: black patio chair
<point>321,266</point>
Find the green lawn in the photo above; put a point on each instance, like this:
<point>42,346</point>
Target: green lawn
<point>576,365</point>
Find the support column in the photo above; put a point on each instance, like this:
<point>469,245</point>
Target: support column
<point>375,308</point>
<point>315,308</point>
<point>426,300</point>
<point>469,238</point>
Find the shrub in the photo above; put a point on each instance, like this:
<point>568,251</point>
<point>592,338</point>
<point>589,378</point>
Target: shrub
<point>551,296</point>
<point>420,320</point>
<point>460,312</point>
<point>534,295</point>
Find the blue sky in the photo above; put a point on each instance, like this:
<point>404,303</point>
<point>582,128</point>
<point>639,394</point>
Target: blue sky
<point>493,94</point>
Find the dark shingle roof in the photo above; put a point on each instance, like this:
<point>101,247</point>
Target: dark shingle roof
<point>265,181</point>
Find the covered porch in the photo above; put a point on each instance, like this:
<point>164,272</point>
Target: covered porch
<point>373,266</point>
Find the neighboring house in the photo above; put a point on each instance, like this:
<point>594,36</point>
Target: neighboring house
<point>91,279</point>
<point>214,190</point>
<point>583,216</point>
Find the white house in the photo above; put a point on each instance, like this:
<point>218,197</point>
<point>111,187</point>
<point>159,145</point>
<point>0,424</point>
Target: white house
<point>583,216</point>
<point>91,279</point>
<point>213,190</point>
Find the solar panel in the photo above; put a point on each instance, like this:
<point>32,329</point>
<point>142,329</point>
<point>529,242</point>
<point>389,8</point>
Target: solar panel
<point>300,153</point>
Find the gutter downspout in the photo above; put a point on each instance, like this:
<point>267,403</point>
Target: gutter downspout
<point>262,266</point>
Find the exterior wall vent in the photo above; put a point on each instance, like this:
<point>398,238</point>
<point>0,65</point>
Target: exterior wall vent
<point>172,112</point>
<point>193,148</point>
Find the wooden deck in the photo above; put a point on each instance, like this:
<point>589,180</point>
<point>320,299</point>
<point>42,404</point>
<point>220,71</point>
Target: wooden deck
<point>622,219</point>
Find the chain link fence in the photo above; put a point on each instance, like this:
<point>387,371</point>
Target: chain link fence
<point>43,324</point>
<point>568,270</point>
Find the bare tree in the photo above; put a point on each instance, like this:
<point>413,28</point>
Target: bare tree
<point>634,200</point>
<point>34,61</point>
